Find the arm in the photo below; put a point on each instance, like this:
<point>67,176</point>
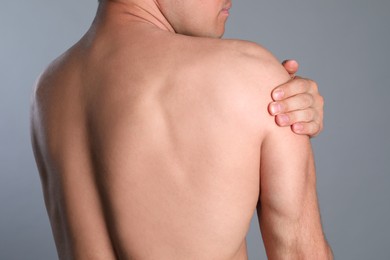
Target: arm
<point>288,208</point>
<point>297,103</point>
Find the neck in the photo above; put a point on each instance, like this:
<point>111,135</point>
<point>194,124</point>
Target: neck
<point>147,11</point>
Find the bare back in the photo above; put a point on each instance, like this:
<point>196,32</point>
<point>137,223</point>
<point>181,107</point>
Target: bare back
<point>148,147</point>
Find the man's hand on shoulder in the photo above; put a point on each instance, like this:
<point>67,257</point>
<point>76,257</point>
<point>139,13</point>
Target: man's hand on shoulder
<point>298,103</point>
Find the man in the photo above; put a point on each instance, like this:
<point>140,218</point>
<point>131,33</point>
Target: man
<point>155,144</point>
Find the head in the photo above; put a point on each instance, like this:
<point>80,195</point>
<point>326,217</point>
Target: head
<point>205,18</point>
<point>202,18</point>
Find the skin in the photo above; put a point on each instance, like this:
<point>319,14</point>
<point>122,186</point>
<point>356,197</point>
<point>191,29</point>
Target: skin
<point>157,145</point>
<point>298,104</point>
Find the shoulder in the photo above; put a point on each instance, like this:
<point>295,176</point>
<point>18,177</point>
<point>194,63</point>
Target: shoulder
<point>241,65</point>
<point>246,73</point>
<point>60,72</point>
<point>44,89</point>
<point>55,91</point>
<point>253,61</point>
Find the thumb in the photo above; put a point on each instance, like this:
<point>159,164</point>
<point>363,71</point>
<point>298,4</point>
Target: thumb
<point>291,66</point>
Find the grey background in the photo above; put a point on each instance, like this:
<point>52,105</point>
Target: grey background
<point>342,44</point>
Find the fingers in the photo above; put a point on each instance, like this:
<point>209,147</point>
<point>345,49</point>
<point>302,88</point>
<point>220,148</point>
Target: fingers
<point>311,129</point>
<point>301,116</point>
<point>298,102</point>
<point>291,66</point>
<point>303,122</point>
<point>294,87</point>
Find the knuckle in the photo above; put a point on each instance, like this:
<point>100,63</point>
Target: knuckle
<point>314,127</point>
<point>314,85</point>
<point>317,130</point>
<point>321,100</point>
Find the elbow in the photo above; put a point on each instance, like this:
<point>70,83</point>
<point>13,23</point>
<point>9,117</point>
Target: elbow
<point>329,252</point>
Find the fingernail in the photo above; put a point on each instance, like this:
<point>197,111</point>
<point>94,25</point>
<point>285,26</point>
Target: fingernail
<point>275,108</point>
<point>298,127</point>
<point>283,119</point>
<point>278,94</point>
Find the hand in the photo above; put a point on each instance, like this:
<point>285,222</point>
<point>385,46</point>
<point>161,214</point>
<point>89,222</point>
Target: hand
<point>298,103</point>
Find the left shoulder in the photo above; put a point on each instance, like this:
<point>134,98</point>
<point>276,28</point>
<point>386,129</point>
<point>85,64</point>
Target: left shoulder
<point>245,73</point>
